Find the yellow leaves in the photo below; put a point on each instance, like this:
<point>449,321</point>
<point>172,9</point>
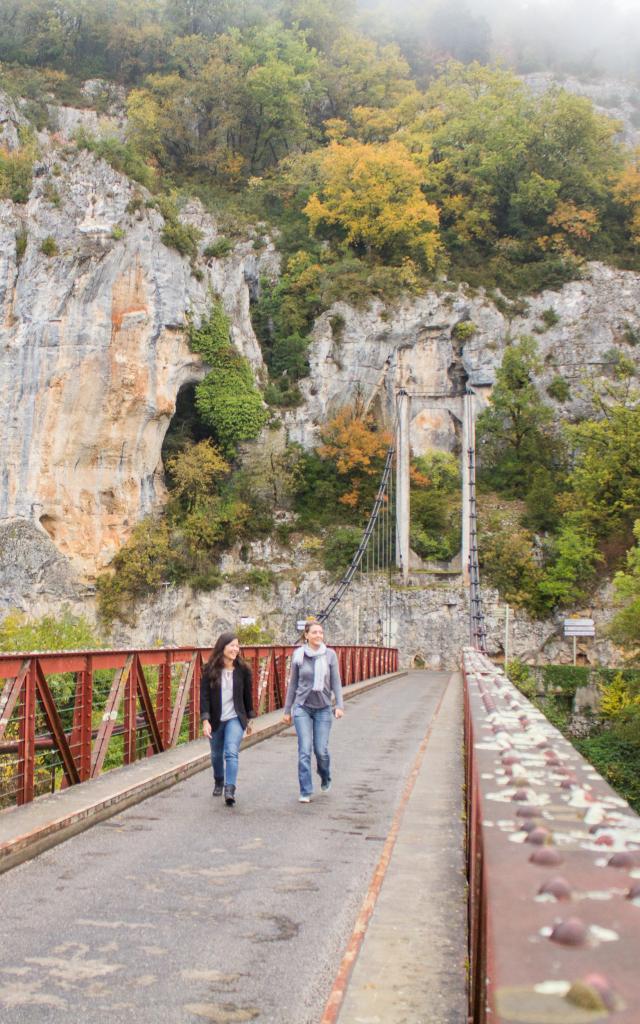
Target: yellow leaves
<point>373,193</point>
<point>195,471</point>
<point>627,191</point>
<point>336,129</point>
<point>616,697</point>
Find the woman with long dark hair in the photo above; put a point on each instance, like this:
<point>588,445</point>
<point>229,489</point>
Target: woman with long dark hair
<point>226,707</point>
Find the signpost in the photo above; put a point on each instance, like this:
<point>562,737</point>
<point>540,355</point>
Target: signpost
<point>578,627</point>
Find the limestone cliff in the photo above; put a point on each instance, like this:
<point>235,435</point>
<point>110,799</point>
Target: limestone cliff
<point>420,343</point>
<point>92,347</point>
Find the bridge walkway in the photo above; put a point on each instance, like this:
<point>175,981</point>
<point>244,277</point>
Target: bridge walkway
<point>181,910</point>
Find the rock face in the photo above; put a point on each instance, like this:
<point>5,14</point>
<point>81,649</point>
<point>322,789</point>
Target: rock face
<point>427,620</point>
<point>438,344</point>
<point>615,98</point>
<point>34,575</point>
<point>93,349</point>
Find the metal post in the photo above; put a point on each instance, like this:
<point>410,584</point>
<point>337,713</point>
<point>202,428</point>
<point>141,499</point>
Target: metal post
<point>506,636</point>
<point>478,633</point>
<point>467,442</point>
<point>574,651</point>
<point>402,488</point>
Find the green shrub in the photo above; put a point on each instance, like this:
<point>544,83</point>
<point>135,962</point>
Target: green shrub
<point>631,334</point>
<point>51,195</point>
<point>542,506</point>
<point>183,237</point>
<point>262,580</point>
<point>49,246</point>
<point>16,173</point>
<point>66,632</point>
<point>549,318</point>
<point>464,330</point>
<point>340,547</point>
<point>135,204</point>
<point>565,678</point>
<point>616,756</point>
<point>227,399</point>
<point>435,506</point>
<point>559,389</point>
<point>139,568</point>
<point>338,324</point>
<point>254,635</point>
<point>122,156</point>
<point>206,581</point>
<point>283,395</point>
<point>508,562</point>
<point>521,676</point>
<point>21,244</point>
<point>117,233</point>
<point>218,249</point>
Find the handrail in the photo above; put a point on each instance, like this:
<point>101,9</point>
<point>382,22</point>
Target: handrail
<point>553,868</point>
<point>67,716</point>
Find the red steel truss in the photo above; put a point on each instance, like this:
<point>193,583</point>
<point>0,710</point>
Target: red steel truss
<point>66,717</point>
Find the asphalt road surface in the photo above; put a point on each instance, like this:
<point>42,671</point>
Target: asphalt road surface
<point>182,910</point>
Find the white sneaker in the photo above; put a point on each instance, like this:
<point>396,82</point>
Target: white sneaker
<point>304,799</point>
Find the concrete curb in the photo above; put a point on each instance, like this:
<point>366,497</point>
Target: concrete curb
<point>28,831</point>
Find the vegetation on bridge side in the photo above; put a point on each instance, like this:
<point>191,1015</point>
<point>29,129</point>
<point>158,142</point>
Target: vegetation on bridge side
<point>569,493</point>
<point>607,734</point>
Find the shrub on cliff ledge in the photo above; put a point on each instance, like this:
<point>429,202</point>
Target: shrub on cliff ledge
<point>16,169</point>
<point>227,399</point>
<point>139,568</point>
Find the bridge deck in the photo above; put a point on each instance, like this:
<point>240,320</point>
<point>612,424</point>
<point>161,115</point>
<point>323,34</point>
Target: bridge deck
<point>182,910</point>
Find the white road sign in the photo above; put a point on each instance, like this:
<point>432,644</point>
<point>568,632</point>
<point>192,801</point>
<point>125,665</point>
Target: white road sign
<point>579,627</point>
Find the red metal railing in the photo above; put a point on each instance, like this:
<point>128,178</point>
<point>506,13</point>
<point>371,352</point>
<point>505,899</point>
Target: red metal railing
<point>67,717</point>
<point>553,868</point>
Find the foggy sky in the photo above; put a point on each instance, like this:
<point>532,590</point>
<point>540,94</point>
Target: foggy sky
<point>581,35</point>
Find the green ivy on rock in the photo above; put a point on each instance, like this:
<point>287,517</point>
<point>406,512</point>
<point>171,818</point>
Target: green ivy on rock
<point>227,399</point>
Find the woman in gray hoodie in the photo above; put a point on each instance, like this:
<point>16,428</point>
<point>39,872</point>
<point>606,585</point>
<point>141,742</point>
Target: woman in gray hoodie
<point>315,677</point>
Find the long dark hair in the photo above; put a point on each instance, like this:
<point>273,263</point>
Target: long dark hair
<point>215,664</point>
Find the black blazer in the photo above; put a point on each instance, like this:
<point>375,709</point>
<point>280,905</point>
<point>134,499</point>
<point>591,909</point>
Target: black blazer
<point>211,697</point>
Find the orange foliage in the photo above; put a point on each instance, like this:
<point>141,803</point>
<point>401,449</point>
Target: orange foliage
<point>627,192</point>
<point>574,226</point>
<point>357,448</point>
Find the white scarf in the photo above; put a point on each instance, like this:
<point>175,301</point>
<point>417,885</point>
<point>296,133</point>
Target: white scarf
<point>320,667</point>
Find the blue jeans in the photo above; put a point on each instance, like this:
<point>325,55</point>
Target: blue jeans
<point>313,726</point>
<point>225,744</point>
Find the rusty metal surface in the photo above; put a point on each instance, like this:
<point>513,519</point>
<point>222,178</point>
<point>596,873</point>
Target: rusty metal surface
<point>554,869</point>
<point>67,716</point>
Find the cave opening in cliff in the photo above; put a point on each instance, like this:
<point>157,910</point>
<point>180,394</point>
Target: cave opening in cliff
<point>186,427</point>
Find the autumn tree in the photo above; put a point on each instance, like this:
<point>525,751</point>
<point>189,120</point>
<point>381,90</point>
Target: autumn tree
<point>196,472</point>
<point>627,192</point>
<point>352,441</point>
<point>372,195</point>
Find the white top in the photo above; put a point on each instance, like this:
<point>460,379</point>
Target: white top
<point>228,707</point>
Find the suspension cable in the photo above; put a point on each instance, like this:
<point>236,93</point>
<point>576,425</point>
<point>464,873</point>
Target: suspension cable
<point>363,545</point>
